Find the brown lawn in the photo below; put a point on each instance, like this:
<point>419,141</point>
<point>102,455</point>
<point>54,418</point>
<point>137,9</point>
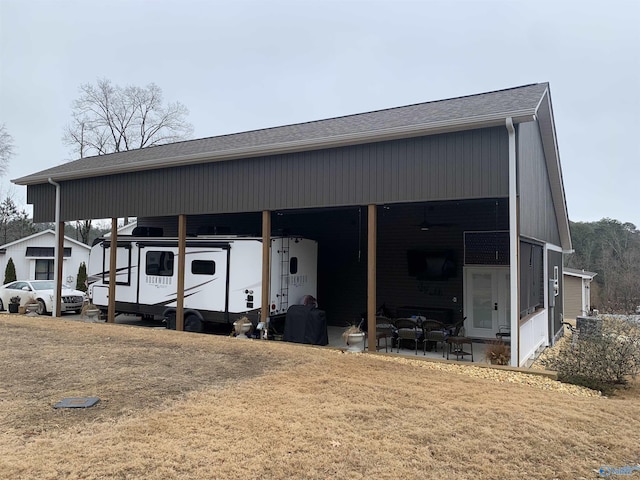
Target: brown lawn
<point>180,405</point>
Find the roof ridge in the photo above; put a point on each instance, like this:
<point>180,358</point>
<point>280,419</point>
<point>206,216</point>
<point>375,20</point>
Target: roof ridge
<point>321,120</point>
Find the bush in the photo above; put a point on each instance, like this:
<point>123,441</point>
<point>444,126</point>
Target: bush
<point>601,361</point>
<point>498,353</point>
<point>10,272</point>
<point>81,282</point>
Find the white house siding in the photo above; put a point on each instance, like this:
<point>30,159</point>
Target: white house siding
<point>573,306</point>
<point>26,266</point>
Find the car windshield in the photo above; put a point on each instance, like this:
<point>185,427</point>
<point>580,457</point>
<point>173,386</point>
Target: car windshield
<point>43,285</point>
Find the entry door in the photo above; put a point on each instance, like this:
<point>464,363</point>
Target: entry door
<point>487,301</point>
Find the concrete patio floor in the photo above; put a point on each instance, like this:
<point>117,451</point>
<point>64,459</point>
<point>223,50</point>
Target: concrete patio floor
<point>479,348</point>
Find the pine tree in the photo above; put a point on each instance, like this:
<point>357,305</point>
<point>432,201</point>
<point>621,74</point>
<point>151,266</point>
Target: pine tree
<point>10,272</point>
<point>81,283</point>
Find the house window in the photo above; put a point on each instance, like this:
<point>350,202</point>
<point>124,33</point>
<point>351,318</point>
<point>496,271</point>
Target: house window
<point>159,263</point>
<point>293,265</point>
<point>203,267</point>
<point>46,252</point>
<point>44,269</point>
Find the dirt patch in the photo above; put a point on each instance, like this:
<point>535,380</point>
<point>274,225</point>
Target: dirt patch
<point>180,405</point>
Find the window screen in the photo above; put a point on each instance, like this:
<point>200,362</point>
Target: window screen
<point>531,278</point>
<point>486,248</point>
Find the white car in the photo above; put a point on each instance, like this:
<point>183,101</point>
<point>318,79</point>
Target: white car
<point>41,292</point>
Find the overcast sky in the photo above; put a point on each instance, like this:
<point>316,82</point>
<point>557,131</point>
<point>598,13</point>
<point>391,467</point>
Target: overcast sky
<point>242,65</point>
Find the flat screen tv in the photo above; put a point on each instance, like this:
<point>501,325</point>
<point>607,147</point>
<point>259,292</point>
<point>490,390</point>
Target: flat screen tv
<point>428,265</point>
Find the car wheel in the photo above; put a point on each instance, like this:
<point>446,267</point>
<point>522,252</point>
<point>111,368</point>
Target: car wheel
<point>192,324</point>
<point>1,306</point>
<point>42,308</point>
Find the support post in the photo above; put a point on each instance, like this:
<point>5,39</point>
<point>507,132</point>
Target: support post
<point>113,251</point>
<point>514,247</point>
<point>58,262</point>
<point>372,232</point>
<point>266,263</point>
<point>182,249</point>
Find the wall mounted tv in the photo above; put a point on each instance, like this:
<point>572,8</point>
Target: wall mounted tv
<point>429,265</point>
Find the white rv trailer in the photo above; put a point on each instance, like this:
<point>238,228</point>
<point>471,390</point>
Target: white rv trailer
<point>223,276</point>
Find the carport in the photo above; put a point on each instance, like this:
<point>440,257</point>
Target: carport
<point>469,179</point>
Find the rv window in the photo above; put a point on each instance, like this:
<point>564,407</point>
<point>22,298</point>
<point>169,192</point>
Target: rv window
<point>293,265</point>
<point>159,263</point>
<point>203,267</point>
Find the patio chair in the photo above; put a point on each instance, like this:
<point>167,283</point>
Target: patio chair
<point>433,332</point>
<point>407,329</point>
<point>384,329</point>
<point>457,341</point>
<point>504,333</point>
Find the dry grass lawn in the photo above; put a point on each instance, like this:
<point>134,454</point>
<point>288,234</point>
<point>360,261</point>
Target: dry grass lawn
<point>180,405</point>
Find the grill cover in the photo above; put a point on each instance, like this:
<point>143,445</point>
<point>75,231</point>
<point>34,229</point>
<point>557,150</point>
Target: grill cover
<point>306,324</point>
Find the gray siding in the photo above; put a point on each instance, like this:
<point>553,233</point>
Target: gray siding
<point>537,213</point>
<point>461,165</point>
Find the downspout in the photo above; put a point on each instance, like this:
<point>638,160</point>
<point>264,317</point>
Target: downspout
<point>513,245</point>
<point>56,280</point>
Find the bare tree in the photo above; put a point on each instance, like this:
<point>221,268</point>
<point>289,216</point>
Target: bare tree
<point>107,118</point>
<point>6,149</point>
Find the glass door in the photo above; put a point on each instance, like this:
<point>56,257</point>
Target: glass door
<point>487,300</point>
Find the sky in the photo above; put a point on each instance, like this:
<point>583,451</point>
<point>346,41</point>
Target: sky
<point>242,65</point>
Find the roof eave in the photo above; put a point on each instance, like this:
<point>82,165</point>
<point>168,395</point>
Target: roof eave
<point>395,133</point>
<point>544,114</point>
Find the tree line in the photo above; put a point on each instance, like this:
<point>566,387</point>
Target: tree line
<point>16,224</point>
<point>611,249</point>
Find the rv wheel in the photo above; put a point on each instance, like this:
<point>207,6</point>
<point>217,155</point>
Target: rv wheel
<point>192,323</point>
<point>171,321</point>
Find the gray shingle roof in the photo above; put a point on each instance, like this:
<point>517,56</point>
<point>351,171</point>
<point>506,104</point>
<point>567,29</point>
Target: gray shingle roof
<point>514,102</point>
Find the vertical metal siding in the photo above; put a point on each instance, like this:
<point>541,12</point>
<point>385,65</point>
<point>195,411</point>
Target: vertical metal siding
<point>537,212</point>
<point>461,165</point>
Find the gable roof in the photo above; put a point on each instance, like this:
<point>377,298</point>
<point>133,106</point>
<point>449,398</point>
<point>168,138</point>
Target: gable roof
<point>473,111</point>
<point>39,234</point>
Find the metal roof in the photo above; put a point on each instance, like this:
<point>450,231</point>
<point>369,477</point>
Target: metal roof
<point>473,111</point>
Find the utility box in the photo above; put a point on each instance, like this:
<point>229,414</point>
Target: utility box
<point>589,325</point>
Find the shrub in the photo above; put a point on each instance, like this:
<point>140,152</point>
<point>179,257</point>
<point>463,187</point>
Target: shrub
<point>10,272</point>
<point>604,360</point>
<point>81,282</point>
<point>498,353</point>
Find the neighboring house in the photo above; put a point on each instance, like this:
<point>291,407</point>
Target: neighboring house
<point>125,229</point>
<point>461,201</point>
<point>33,257</point>
<point>577,292</point>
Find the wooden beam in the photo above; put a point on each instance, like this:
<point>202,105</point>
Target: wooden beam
<point>266,262</point>
<point>182,249</point>
<point>59,262</point>
<point>372,232</point>
<point>111,309</point>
